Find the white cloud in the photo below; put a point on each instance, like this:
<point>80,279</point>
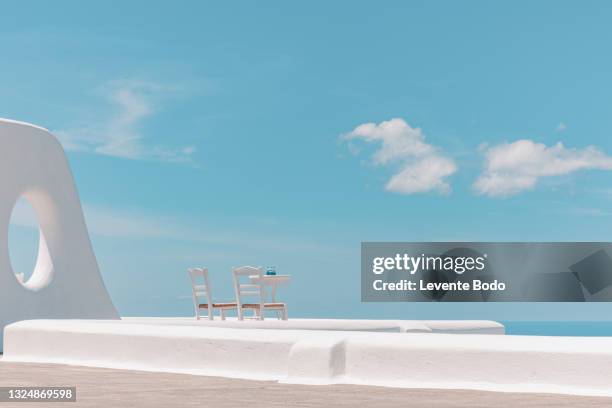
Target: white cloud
<point>511,168</point>
<point>136,225</point>
<point>115,223</point>
<point>120,134</point>
<point>423,175</point>
<point>422,167</point>
<point>107,222</point>
<point>561,127</point>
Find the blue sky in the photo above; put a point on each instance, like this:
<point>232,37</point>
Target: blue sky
<point>222,134</point>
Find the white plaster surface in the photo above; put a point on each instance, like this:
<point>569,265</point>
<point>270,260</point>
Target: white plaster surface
<point>566,365</point>
<point>402,326</point>
<point>66,282</point>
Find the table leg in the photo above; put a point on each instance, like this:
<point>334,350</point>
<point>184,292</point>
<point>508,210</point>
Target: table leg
<point>274,293</point>
<point>278,316</point>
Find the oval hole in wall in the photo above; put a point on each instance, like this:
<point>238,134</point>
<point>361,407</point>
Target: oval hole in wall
<point>28,250</point>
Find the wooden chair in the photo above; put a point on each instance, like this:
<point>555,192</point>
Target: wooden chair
<point>256,291</point>
<point>203,288</point>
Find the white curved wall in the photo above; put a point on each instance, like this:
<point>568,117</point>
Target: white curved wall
<point>66,282</point>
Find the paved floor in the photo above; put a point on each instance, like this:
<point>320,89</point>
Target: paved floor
<point>98,387</point>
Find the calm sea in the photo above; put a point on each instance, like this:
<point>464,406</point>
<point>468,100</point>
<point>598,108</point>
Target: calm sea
<point>550,328</point>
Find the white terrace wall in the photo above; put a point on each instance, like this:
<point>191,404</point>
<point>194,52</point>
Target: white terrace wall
<point>567,365</point>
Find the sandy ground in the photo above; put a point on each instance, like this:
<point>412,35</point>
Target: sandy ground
<point>98,387</point>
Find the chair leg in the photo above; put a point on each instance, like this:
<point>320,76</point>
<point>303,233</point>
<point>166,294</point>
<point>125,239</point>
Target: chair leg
<point>285,315</point>
<point>259,313</point>
<point>211,316</point>
<point>240,311</point>
<point>222,312</point>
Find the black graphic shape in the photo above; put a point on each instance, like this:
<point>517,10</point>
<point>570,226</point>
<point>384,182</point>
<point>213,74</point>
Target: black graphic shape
<point>594,271</point>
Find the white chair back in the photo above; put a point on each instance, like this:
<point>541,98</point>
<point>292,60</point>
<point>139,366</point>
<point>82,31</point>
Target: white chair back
<point>254,290</point>
<point>201,290</point>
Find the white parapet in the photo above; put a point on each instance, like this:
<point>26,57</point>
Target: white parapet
<point>569,365</point>
<point>369,325</point>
